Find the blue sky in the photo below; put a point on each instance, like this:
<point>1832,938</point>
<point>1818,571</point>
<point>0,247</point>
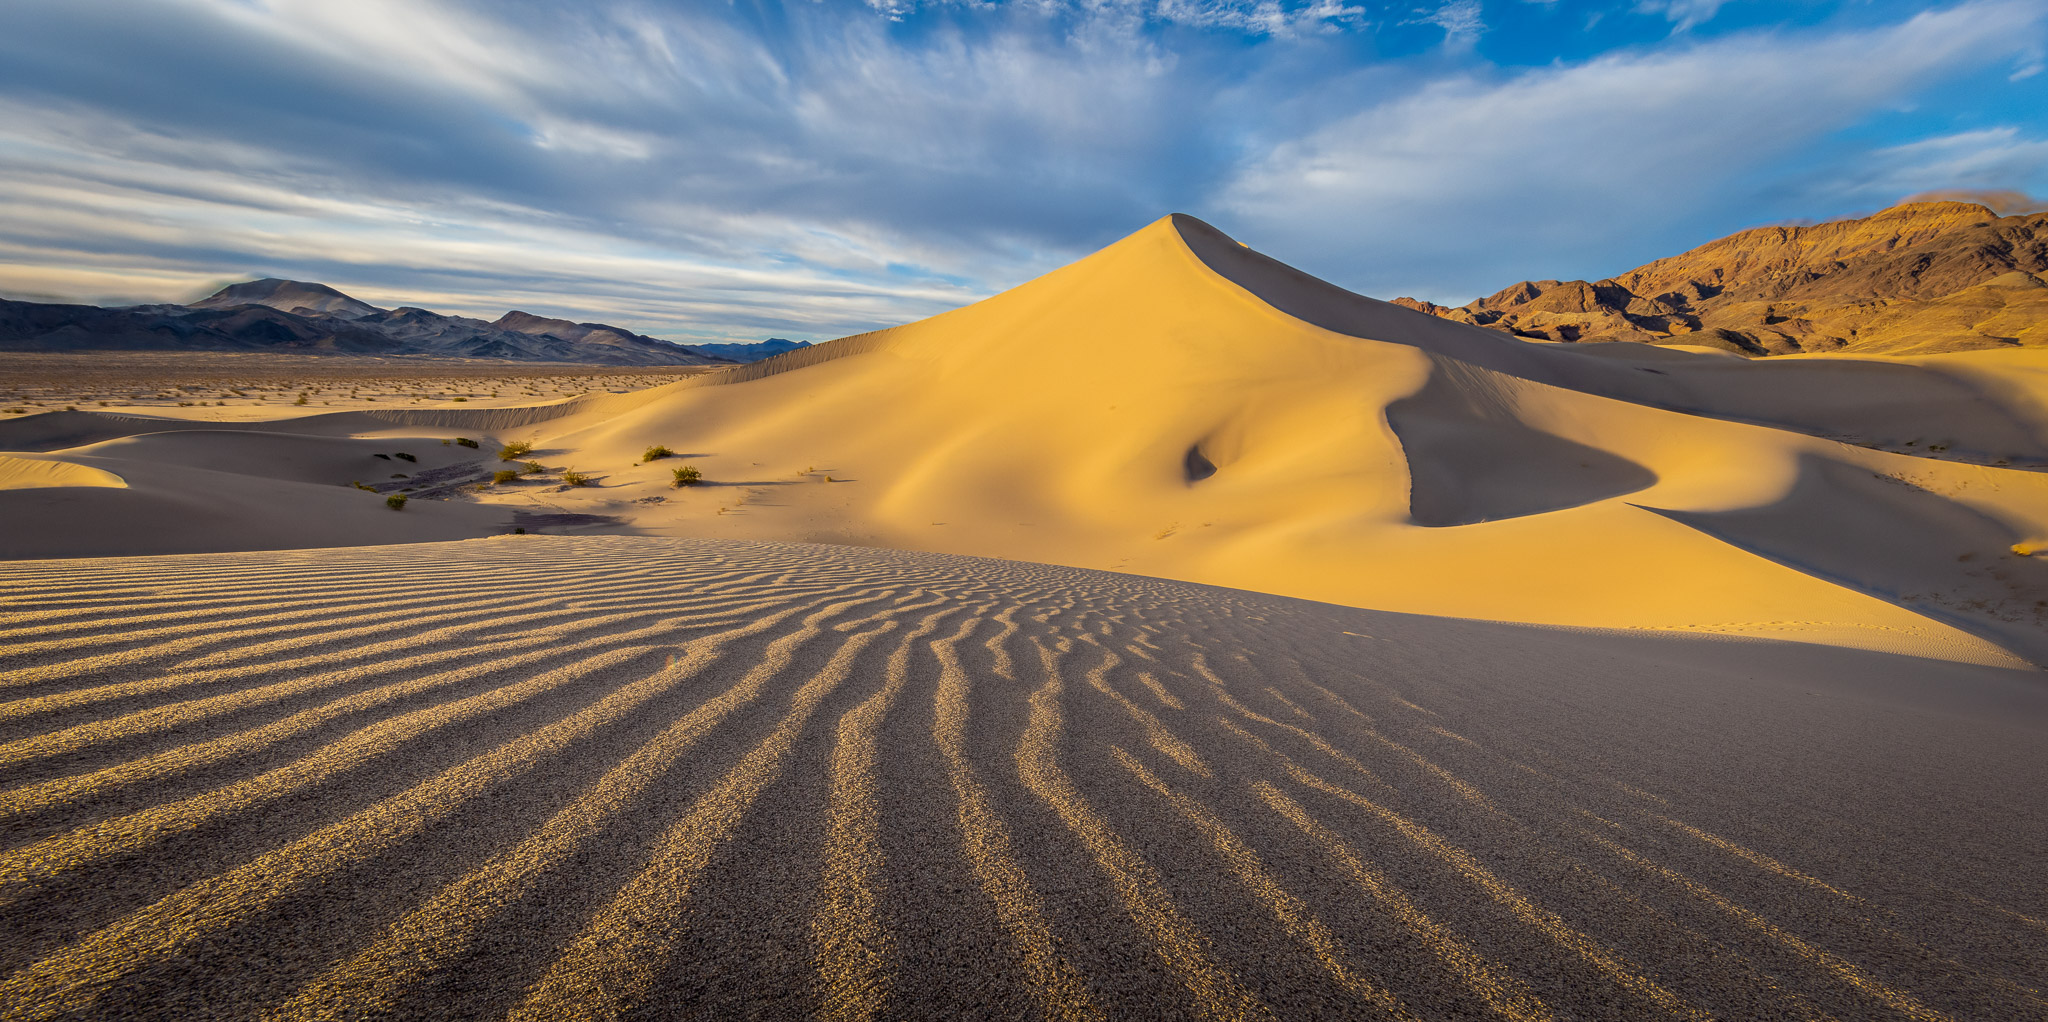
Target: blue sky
<point>735,170</point>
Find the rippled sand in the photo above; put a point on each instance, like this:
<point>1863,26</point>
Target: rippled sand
<point>545,777</point>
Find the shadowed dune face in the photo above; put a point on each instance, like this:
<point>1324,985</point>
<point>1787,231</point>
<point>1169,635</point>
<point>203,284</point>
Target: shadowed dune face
<point>1907,541</point>
<point>1471,459</point>
<point>487,780</point>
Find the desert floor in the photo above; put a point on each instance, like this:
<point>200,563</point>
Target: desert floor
<point>562,777</point>
<point>237,387</point>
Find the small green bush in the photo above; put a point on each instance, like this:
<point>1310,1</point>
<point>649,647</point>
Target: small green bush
<point>687,476</point>
<point>503,476</point>
<point>464,441</point>
<point>533,468</point>
<point>458,399</point>
<point>575,478</point>
<point>656,453</point>
<point>395,502</point>
<point>514,450</point>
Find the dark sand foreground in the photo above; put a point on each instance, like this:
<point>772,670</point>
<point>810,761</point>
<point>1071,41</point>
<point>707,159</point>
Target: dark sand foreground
<point>547,777</point>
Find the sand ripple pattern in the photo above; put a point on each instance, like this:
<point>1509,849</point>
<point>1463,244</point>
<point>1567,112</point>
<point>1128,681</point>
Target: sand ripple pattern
<point>546,778</point>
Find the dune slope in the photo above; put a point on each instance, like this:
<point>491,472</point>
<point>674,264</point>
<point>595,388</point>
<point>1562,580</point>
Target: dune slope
<point>487,779</point>
<point>1180,406</point>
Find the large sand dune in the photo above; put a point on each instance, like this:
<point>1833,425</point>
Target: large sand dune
<point>553,777</point>
<point>1182,407</point>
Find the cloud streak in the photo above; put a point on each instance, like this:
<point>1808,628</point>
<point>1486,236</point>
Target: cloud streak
<point>809,170</point>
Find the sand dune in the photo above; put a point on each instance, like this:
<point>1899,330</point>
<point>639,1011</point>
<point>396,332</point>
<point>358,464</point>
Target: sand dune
<point>1180,406</point>
<point>487,779</point>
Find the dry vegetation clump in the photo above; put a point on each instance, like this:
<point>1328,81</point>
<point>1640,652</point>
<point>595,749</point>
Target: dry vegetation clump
<point>533,468</point>
<point>656,453</point>
<point>514,450</point>
<point>575,478</point>
<point>463,441</point>
<point>687,476</point>
<point>503,476</point>
<point>395,502</point>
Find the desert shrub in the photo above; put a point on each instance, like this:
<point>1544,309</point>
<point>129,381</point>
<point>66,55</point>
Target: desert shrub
<point>301,400</point>
<point>463,441</point>
<point>575,478</point>
<point>458,399</point>
<point>514,450</point>
<point>402,456</point>
<point>687,476</point>
<point>358,484</point>
<point>504,475</point>
<point>395,502</point>
<point>533,468</point>
<point>656,453</point>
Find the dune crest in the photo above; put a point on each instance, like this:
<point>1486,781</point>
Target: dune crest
<point>37,473</point>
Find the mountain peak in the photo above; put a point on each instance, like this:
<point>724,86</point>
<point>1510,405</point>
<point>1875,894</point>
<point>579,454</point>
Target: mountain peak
<point>288,296</point>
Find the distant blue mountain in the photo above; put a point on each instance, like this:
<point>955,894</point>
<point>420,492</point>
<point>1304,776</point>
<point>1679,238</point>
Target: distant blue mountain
<point>285,315</point>
<point>751,352</point>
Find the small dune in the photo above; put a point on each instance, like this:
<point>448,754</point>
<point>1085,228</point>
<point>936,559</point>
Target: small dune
<point>36,473</point>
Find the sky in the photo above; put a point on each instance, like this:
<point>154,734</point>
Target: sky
<point>808,169</point>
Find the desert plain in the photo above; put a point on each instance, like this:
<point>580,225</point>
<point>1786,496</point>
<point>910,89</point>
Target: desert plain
<point>1173,636</point>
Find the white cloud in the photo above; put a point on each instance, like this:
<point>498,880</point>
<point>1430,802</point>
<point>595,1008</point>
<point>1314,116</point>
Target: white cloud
<point>1989,159</point>
<point>1460,19</point>
<point>1683,14</point>
<point>1548,167</point>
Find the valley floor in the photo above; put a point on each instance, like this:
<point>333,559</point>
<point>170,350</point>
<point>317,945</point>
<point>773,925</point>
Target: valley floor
<point>580,777</point>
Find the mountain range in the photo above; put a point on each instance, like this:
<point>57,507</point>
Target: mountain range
<point>1917,278</point>
<point>292,315</point>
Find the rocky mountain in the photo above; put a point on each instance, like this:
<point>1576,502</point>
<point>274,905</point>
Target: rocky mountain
<point>288,315</point>
<point>1913,279</point>
<point>294,296</point>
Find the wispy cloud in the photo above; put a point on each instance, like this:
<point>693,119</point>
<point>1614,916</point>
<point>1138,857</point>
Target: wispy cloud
<point>806,169</point>
<point>1683,14</point>
<point>1555,167</point>
<point>1461,21</point>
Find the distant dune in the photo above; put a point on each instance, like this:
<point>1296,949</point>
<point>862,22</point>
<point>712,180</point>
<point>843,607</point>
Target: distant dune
<point>1919,278</point>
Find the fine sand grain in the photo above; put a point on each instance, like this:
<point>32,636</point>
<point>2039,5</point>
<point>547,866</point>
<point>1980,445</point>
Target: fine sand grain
<point>594,777</point>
